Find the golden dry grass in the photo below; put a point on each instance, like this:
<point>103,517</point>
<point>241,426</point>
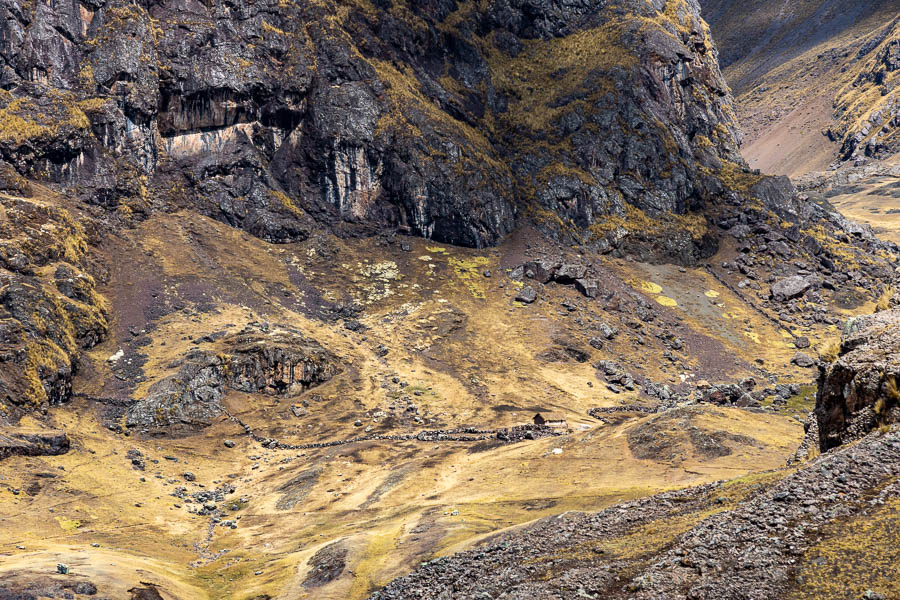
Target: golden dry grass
<point>470,356</point>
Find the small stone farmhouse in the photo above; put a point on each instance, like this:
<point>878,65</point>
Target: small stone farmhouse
<point>551,419</point>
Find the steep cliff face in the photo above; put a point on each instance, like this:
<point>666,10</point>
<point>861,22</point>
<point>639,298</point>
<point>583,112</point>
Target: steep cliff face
<point>859,390</point>
<point>448,120</point>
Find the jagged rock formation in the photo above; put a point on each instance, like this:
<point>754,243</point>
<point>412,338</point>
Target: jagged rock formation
<point>868,109</point>
<point>256,360</point>
<point>859,390</point>
<point>190,397</point>
<point>281,361</point>
<point>448,120</point>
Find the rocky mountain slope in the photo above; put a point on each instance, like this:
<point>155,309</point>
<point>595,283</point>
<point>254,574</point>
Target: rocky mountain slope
<point>814,81</point>
<point>284,117</point>
<point>284,284</point>
<point>371,126</point>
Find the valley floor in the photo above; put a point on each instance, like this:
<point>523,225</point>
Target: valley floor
<point>441,346</point>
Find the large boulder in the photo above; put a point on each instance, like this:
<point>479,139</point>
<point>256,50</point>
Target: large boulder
<point>542,270</point>
<point>570,272</point>
<point>527,295</point>
<point>588,287</point>
<point>791,287</point>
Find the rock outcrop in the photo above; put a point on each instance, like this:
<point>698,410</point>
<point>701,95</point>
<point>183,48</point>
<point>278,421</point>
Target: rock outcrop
<point>859,390</point>
<point>602,122</point>
<point>546,270</point>
<point>49,309</point>
<point>18,442</point>
<point>869,109</point>
<point>190,397</point>
<point>257,360</point>
<point>280,361</point>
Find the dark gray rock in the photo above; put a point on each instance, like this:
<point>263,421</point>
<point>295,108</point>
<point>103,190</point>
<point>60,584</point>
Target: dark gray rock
<point>279,361</point>
<point>191,397</point>
<point>859,390</point>
<point>16,442</point>
<point>527,295</point>
<point>542,271</point>
<point>256,360</point>
<point>570,273</point>
<point>588,287</point>
<point>369,123</point>
<point>803,360</point>
<point>791,287</point>
<point>607,331</point>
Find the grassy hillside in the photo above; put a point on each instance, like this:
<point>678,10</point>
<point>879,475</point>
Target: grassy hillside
<point>436,334</point>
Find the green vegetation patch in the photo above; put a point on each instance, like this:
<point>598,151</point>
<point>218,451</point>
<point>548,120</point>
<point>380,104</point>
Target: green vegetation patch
<point>469,272</point>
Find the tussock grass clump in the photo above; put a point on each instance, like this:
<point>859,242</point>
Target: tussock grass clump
<point>21,120</point>
<point>638,222</point>
<point>888,400</point>
<point>884,300</point>
<point>830,350</point>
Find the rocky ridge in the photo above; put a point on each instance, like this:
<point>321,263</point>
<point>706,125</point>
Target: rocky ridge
<point>50,310</point>
<point>825,71</point>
